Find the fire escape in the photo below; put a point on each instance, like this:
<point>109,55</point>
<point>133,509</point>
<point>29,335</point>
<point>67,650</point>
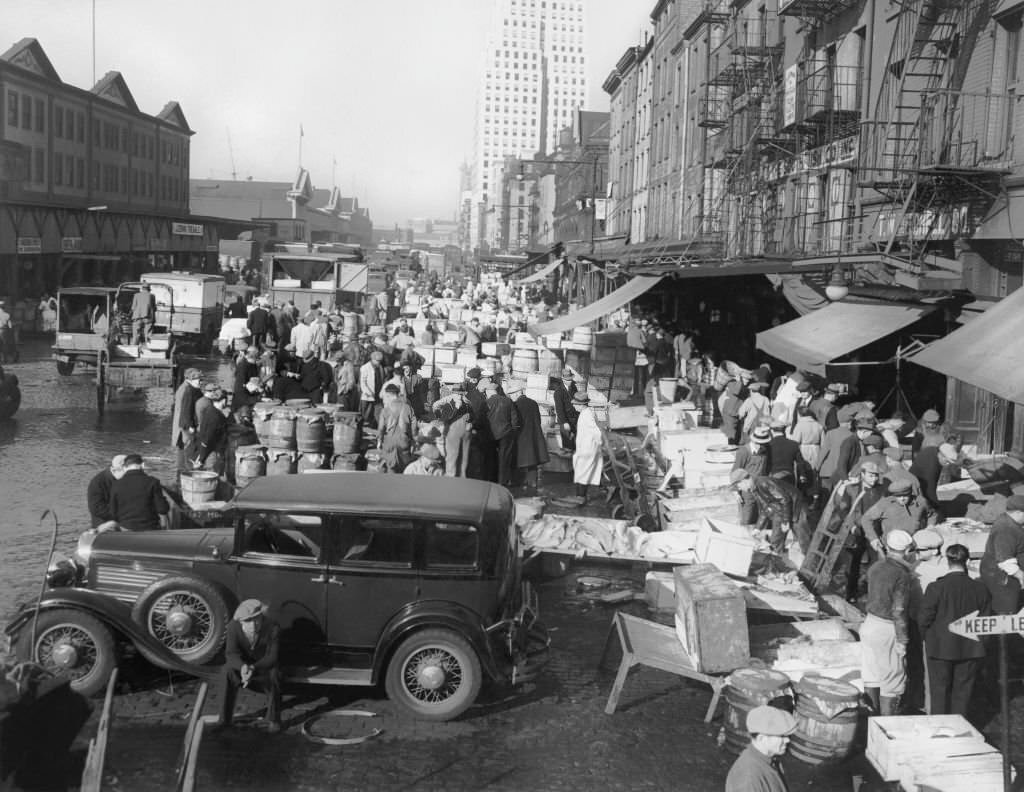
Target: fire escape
<point>933,152</point>
<point>741,88</point>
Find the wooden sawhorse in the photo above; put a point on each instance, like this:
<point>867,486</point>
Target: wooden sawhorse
<point>651,644</point>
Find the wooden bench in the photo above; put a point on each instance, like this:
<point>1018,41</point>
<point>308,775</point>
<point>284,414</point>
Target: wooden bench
<point>656,645</point>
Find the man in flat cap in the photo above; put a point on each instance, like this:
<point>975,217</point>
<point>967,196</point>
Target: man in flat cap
<point>885,632</point>
<point>143,314</point>
<point>899,509</point>
<point>927,467</point>
<point>758,769</point>
<point>849,501</point>
<point>1002,563</point>
<point>780,508</point>
<point>251,658</point>
<point>183,419</point>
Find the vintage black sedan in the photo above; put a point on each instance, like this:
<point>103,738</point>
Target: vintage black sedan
<point>411,580</point>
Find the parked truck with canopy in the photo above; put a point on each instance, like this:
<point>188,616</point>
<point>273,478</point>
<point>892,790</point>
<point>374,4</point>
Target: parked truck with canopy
<point>334,279</point>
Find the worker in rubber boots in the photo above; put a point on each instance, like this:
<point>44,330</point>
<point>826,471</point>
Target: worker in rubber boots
<point>885,632</point>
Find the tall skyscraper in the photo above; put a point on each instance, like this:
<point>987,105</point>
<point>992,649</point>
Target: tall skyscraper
<point>533,79</point>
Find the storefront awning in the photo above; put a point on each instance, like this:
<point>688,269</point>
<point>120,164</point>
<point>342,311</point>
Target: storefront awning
<point>591,313</point>
<point>90,257</point>
<point>814,340</point>
<point>541,273</point>
<point>987,352</point>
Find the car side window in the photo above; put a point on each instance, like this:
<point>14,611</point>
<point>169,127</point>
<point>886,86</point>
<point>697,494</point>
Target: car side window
<point>376,541</point>
<point>280,534</point>
<point>450,545</point>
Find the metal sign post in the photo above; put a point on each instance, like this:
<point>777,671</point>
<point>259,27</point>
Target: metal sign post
<point>974,627</point>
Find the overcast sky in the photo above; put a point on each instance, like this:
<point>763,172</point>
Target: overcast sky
<point>386,87</point>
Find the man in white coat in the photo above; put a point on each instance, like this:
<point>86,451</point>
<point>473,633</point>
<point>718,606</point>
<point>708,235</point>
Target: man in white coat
<point>587,460</point>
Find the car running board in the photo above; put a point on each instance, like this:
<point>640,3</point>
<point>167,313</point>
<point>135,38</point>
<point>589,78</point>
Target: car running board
<point>319,675</point>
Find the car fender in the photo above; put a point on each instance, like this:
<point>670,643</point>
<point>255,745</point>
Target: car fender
<point>115,614</point>
<point>435,613</point>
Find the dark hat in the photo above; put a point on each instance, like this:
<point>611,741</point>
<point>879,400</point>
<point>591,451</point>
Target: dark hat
<point>210,387</point>
<point>1015,503</point>
<point>900,487</point>
<point>473,373</point>
<point>136,459</point>
<point>871,467</point>
<point>874,440</point>
<point>930,416</point>
<point>865,423</point>
<point>803,386</point>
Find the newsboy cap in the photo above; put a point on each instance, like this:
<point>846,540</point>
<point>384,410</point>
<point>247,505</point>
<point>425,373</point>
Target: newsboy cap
<point>770,721</point>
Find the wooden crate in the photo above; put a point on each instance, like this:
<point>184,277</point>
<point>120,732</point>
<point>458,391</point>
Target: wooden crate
<point>605,354</point>
<point>140,376</point>
<point>896,741</point>
<point>711,614</point>
<point>609,339</point>
<point>599,382</point>
<point>618,394</point>
<point>726,545</point>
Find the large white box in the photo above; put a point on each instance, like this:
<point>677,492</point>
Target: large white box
<point>895,742</point>
<point>726,545</point>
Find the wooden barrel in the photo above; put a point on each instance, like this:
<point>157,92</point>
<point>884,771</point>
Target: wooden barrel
<point>350,324</point>
<point>549,363</point>
<point>311,431</point>
<point>346,461</point>
<point>720,454</point>
<point>282,429</point>
<point>524,361</point>
<point>280,461</point>
<point>250,463</point>
<point>310,461</point>
<point>262,412</point>
<point>583,336</point>
<point>748,688</point>
<point>348,432</point>
<point>827,712</point>
<point>198,486</point>
<point>239,435</point>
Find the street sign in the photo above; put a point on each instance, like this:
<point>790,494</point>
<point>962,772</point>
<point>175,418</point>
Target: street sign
<point>975,627</point>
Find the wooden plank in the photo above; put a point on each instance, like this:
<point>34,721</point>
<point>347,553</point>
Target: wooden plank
<point>186,748</point>
<point>92,776</point>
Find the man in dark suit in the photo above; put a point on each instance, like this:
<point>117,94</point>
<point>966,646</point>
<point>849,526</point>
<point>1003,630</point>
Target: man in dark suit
<point>787,463</point>
<point>953,661</point>
<point>251,655</point>
<point>258,324</point>
<point>183,420</point>
<point>504,423</point>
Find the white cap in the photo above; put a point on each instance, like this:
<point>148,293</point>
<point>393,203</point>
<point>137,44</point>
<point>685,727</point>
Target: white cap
<point>898,541</point>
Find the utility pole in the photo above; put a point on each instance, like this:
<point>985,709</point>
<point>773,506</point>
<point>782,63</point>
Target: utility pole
<point>231,153</point>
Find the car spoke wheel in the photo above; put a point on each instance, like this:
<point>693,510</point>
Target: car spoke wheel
<point>435,674</point>
<point>75,646</point>
<point>188,616</point>
<point>182,621</point>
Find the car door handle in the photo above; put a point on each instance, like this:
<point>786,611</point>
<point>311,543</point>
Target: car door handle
<point>336,581</point>
<point>321,579</point>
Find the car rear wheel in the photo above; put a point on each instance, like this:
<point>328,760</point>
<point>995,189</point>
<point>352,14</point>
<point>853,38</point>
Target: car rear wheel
<point>73,645</point>
<point>187,615</point>
<point>434,674</point>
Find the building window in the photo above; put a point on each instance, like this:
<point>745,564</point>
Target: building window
<point>12,108</point>
<point>58,121</point>
<point>80,173</point>
<point>39,176</point>
<point>58,169</point>
<point>40,116</point>
<point>69,170</point>
<point>26,111</point>
<point>81,127</point>
<point>94,175</point>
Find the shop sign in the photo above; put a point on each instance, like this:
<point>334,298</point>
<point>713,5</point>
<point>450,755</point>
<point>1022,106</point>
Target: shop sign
<point>30,245</point>
<point>155,243</point>
<point>973,626</point>
<point>789,96</point>
<point>187,229</point>
<point>930,224</point>
<point>212,248</point>
<point>839,153</point>
<point>71,244</point>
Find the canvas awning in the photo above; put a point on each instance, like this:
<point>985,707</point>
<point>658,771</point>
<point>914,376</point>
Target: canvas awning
<point>541,273</point>
<point>812,341</point>
<point>987,352</point>
<point>591,313</point>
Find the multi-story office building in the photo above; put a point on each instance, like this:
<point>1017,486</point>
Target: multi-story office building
<point>93,189</point>
<point>533,79</point>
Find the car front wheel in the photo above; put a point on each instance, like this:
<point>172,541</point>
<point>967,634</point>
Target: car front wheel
<point>434,674</point>
<point>186,615</point>
<point>73,645</point>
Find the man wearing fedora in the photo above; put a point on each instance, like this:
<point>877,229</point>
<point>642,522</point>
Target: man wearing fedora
<point>251,656</point>
<point>587,460</point>
<point>758,769</point>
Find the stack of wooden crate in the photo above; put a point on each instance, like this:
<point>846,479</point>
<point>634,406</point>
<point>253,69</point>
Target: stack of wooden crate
<point>611,366</point>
